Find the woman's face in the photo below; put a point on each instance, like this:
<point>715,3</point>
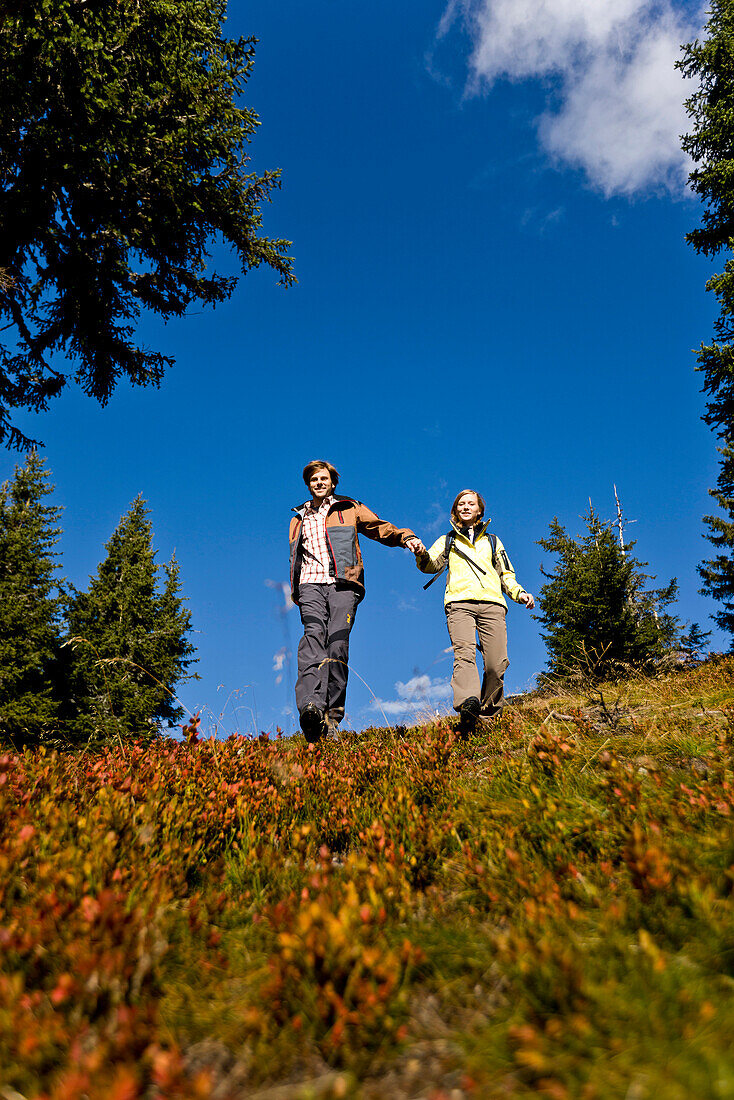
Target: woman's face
<point>468,509</point>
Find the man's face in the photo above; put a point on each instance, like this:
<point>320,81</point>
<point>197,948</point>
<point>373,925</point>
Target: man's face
<point>320,485</point>
<point>467,508</point>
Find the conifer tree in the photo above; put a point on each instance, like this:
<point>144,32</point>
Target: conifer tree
<point>30,606</point>
<point>711,109</point>
<point>128,639</point>
<point>718,572</point>
<point>598,615</point>
<point>124,159</point>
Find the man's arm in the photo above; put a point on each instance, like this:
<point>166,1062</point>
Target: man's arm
<point>381,530</point>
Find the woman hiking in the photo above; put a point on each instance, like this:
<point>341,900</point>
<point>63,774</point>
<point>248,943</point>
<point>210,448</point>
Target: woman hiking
<point>478,572</point>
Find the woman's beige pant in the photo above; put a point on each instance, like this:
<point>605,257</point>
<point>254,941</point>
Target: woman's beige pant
<point>465,620</point>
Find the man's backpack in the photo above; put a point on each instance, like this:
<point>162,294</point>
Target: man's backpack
<point>449,546</point>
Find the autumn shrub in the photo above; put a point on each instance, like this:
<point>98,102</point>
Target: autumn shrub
<point>339,972</point>
<point>544,910</point>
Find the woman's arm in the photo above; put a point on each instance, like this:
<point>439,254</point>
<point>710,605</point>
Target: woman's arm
<point>433,559</point>
<point>509,581</point>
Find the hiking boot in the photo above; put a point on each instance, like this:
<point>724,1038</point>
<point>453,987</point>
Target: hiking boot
<point>468,714</point>
<point>332,731</point>
<point>313,724</point>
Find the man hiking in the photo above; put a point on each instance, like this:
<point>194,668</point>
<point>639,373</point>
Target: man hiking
<point>327,584</point>
<point>478,572</point>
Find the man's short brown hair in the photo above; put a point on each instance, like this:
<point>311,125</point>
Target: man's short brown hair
<point>318,464</point>
<point>480,502</point>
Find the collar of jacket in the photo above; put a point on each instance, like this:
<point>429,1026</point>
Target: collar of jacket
<point>479,530</point>
<point>339,502</point>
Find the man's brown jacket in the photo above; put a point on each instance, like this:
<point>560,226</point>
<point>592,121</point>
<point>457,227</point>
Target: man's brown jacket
<point>345,518</point>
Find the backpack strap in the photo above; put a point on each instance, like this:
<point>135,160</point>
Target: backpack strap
<point>450,545</point>
<point>450,537</point>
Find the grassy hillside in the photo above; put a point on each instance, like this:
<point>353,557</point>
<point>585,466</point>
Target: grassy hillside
<point>544,911</point>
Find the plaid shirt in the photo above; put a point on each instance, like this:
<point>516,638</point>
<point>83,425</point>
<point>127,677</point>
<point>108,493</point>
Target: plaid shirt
<point>315,566</point>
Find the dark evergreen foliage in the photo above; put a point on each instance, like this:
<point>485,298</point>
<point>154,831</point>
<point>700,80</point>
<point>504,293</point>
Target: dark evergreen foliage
<point>599,618</point>
<point>718,572</point>
<point>30,607</point>
<point>128,640</point>
<point>694,641</point>
<point>122,158</point>
<point>711,145</point>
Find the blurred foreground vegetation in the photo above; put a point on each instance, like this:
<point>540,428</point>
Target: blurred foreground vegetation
<point>545,910</point>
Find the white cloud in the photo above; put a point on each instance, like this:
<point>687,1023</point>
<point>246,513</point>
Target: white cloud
<point>279,662</point>
<point>541,220</point>
<point>418,695</point>
<point>422,688</point>
<point>285,590</point>
<point>619,111</point>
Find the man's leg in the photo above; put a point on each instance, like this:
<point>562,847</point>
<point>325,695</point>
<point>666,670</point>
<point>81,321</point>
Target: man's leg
<point>342,610</point>
<point>492,631</point>
<point>312,679</point>
<point>461,621</point>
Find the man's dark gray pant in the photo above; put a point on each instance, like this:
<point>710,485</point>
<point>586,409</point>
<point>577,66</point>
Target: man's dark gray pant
<point>327,614</point>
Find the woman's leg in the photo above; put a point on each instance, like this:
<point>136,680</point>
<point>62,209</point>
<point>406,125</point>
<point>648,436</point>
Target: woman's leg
<point>493,644</point>
<point>462,624</point>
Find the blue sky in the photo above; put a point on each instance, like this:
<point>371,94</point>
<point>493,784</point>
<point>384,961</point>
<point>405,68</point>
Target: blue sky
<point>487,207</point>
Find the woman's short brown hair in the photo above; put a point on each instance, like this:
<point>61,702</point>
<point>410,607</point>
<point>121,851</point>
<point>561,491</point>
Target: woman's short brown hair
<point>480,502</point>
<point>317,464</point>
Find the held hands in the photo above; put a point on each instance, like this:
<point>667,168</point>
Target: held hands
<point>528,600</point>
<point>415,545</point>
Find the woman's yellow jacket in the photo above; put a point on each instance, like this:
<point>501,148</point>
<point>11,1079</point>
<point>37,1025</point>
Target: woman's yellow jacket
<point>465,580</point>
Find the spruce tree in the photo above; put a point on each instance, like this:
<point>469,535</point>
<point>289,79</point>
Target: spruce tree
<point>710,145</point>
<point>124,159</point>
<point>30,606</point>
<point>128,639</point>
<point>598,614</point>
<point>718,572</point>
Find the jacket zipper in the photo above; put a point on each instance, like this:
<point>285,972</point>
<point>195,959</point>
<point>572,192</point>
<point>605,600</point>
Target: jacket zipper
<point>331,552</point>
<point>332,555</point>
<point>473,546</point>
